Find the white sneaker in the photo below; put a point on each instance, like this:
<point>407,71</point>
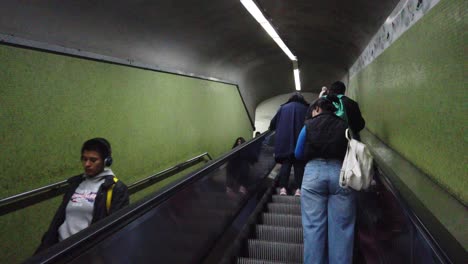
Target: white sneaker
<point>283,191</point>
<point>242,190</point>
<point>298,193</point>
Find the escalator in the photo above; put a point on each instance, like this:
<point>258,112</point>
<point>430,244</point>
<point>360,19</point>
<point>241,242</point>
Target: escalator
<point>195,220</point>
<point>182,222</point>
<point>277,237</point>
<point>385,232</point>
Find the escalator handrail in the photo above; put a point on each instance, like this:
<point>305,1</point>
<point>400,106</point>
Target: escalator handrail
<point>150,180</point>
<point>29,198</point>
<point>417,222</point>
<point>104,228</point>
<point>408,211</point>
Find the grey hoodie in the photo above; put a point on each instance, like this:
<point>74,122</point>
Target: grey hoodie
<point>79,211</point>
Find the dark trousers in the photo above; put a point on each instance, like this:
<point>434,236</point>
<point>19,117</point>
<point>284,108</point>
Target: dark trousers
<point>237,173</point>
<point>286,171</point>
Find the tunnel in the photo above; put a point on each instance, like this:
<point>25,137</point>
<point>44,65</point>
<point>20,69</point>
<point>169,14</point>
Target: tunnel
<point>166,81</point>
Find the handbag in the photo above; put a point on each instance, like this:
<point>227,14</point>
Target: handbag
<point>357,171</point>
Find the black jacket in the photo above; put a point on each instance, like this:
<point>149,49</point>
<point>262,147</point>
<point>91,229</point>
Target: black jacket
<point>325,137</point>
<point>355,121</point>
<point>120,199</point>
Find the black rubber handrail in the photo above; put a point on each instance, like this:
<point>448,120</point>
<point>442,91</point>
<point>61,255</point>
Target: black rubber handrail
<point>23,200</point>
<point>426,235</point>
<point>384,171</point>
<point>148,181</point>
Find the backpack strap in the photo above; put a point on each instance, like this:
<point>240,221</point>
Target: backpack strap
<point>348,135</point>
<point>109,194</point>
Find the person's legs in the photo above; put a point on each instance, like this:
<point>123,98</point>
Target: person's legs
<point>285,171</point>
<point>230,181</point>
<point>299,166</point>
<point>341,218</point>
<point>231,176</point>
<point>244,172</point>
<point>314,213</point>
<point>243,178</point>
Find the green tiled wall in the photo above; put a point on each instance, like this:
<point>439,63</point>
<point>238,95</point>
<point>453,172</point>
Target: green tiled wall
<point>50,104</point>
<point>414,96</point>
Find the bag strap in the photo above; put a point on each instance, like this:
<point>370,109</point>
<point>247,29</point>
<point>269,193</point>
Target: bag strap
<point>109,194</point>
<point>348,135</point>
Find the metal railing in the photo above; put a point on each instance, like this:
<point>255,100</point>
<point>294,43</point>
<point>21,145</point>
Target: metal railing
<point>146,182</point>
<point>23,200</point>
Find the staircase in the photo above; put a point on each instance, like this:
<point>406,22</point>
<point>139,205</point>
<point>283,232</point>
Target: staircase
<point>277,237</point>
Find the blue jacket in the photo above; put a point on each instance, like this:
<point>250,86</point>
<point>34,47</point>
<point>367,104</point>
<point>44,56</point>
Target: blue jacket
<point>288,122</point>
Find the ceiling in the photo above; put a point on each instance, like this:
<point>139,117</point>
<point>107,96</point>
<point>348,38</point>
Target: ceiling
<point>212,38</point>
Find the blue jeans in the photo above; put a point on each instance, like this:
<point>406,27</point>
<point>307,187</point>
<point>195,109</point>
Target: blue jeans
<point>328,214</point>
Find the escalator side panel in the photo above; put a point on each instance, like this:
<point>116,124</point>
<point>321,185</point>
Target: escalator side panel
<point>188,223</point>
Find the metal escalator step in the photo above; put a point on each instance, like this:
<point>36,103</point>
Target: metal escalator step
<point>279,234</point>
<point>280,208</point>
<point>275,251</point>
<point>286,199</point>
<point>282,220</point>
<point>260,261</point>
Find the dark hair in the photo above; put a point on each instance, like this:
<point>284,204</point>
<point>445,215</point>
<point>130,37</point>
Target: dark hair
<point>325,103</point>
<point>100,145</point>
<point>297,97</point>
<point>337,88</point>
<point>235,142</point>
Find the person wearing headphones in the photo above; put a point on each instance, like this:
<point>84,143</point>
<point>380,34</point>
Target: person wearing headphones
<point>90,197</point>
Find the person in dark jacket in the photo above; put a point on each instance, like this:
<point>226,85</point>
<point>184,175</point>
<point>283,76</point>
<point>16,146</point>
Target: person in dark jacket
<point>355,120</point>
<point>328,211</point>
<point>87,199</point>
<point>237,170</point>
<point>288,122</point>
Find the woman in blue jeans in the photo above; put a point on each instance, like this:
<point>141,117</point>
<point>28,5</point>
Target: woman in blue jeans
<point>328,211</point>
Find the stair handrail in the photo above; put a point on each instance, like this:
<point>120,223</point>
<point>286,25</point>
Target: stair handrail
<point>29,198</point>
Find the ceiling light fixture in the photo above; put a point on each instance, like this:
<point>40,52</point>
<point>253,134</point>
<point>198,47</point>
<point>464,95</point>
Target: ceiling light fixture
<point>258,15</point>
<point>297,80</point>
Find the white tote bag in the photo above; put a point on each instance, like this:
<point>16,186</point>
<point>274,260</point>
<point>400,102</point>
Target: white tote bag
<point>356,171</point>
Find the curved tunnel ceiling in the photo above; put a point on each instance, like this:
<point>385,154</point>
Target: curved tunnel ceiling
<point>212,38</point>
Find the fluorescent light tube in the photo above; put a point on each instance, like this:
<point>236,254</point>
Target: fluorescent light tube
<point>258,15</point>
<point>297,80</point>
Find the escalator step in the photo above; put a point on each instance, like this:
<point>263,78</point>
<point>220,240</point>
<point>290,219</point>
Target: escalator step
<point>286,199</point>
<point>282,220</point>
<point>280,208</point>
<point>279,234</point>
<point>259,261</point>
<point>275,251</point>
